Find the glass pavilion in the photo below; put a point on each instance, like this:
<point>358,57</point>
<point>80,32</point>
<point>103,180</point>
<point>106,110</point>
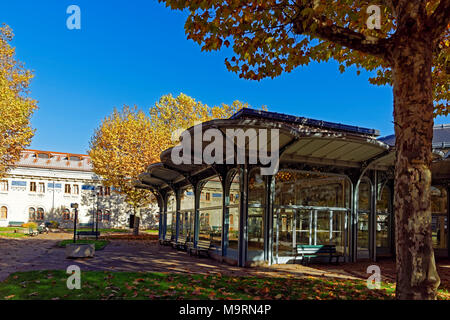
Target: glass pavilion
<point>334,186</point>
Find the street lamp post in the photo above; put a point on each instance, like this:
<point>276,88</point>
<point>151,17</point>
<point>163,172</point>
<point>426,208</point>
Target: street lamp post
<point>96,224</point>
<point>75,207</point>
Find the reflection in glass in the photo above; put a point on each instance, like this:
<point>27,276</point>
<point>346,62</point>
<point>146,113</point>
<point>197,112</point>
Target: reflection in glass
<point>233,218</point>
<point>310,209</point>
<point>171,215</point>
<point>383,219</point>
<point>439,221</point>
<point>210,227</point>
<point>363,218</point>
<point>256,215</point>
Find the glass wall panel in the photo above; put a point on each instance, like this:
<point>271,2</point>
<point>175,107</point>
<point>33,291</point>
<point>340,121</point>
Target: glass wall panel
<point>439,223</point>
<point>311,189</point>
<point>256,215</point>
<point>363,219</point>
<point>233,218</point>
<point>186,226</point>
<point>303,228</point>
<point>383,229</point>
<point>171,215</point>
<point>283,232</point>
<point>310,208</point>
<point>211,212</point>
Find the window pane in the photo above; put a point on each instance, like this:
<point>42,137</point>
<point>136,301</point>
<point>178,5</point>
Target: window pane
<point>311,189</point>
<point>3,213</point>
<point>233,218</point>
<point>256,232</point>
<point>383,219</point>
<point>32,214</point>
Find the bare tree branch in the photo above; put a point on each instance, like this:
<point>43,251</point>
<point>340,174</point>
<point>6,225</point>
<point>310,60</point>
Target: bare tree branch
<point>347,38</point>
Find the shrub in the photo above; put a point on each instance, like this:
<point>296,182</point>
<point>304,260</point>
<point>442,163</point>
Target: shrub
<point>54,224</point>
<point>30,225</point>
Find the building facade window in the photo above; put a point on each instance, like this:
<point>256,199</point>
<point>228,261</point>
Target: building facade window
<point>32,186</point>
<point>32,214</point>
<point>76,189</point>
<point>67,189</point>
<point>40,214</point>
<point>107,191</point>
<point>107,216</point>
<point>4,185</point>
<point>66,214</point>
<point>3,213</point>
<point>41,187</point>
<point>99,215</point>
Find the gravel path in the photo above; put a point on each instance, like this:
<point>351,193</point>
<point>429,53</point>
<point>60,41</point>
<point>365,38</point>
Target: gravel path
<point>42,253</point>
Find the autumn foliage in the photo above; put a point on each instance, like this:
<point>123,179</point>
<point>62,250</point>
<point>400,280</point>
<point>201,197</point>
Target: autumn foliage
<point>16,107</point>
<point>129,140</point>
<point>269,37</point>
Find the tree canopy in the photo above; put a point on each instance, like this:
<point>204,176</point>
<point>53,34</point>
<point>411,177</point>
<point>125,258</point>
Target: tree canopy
<point>269,37</point>
<point>16,107</point>
<point>129,140</point>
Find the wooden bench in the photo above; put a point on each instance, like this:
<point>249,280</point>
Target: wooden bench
<point>202,247</point>
<point>15,223</point>
<point>316,251</point>
<point>180,244</point>
<point>167,240</point>
<point>87,234</point>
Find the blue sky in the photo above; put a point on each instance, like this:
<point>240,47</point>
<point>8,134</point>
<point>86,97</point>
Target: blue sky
<point>133,52</point>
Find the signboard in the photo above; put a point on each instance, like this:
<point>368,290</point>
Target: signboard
<point>54,185</point>
<point>18,183</point>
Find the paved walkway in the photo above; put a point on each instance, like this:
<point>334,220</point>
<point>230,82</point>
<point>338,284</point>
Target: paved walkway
<point>42,253</point>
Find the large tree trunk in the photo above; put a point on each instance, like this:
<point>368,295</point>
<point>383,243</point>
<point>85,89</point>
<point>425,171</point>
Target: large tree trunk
<point>417,277</point>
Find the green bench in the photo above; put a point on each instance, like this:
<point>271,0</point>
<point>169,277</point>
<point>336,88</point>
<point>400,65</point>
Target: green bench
<point>15,223</point>
<point>87,234</point>
<point>202,247</point>
<point>307,252</point>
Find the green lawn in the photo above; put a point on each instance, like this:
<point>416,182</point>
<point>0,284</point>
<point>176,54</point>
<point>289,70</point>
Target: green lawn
<point>48,285</point>
<point>12,234</point>
<point>99,244</point>
<point>151,231</point>
<point>11,228</point>
<point>102,230</point>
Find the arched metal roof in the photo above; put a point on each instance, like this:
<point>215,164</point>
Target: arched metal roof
<point>299,142</point>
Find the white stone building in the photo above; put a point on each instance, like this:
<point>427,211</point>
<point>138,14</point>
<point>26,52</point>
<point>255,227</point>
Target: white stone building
<point>44,184</point>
